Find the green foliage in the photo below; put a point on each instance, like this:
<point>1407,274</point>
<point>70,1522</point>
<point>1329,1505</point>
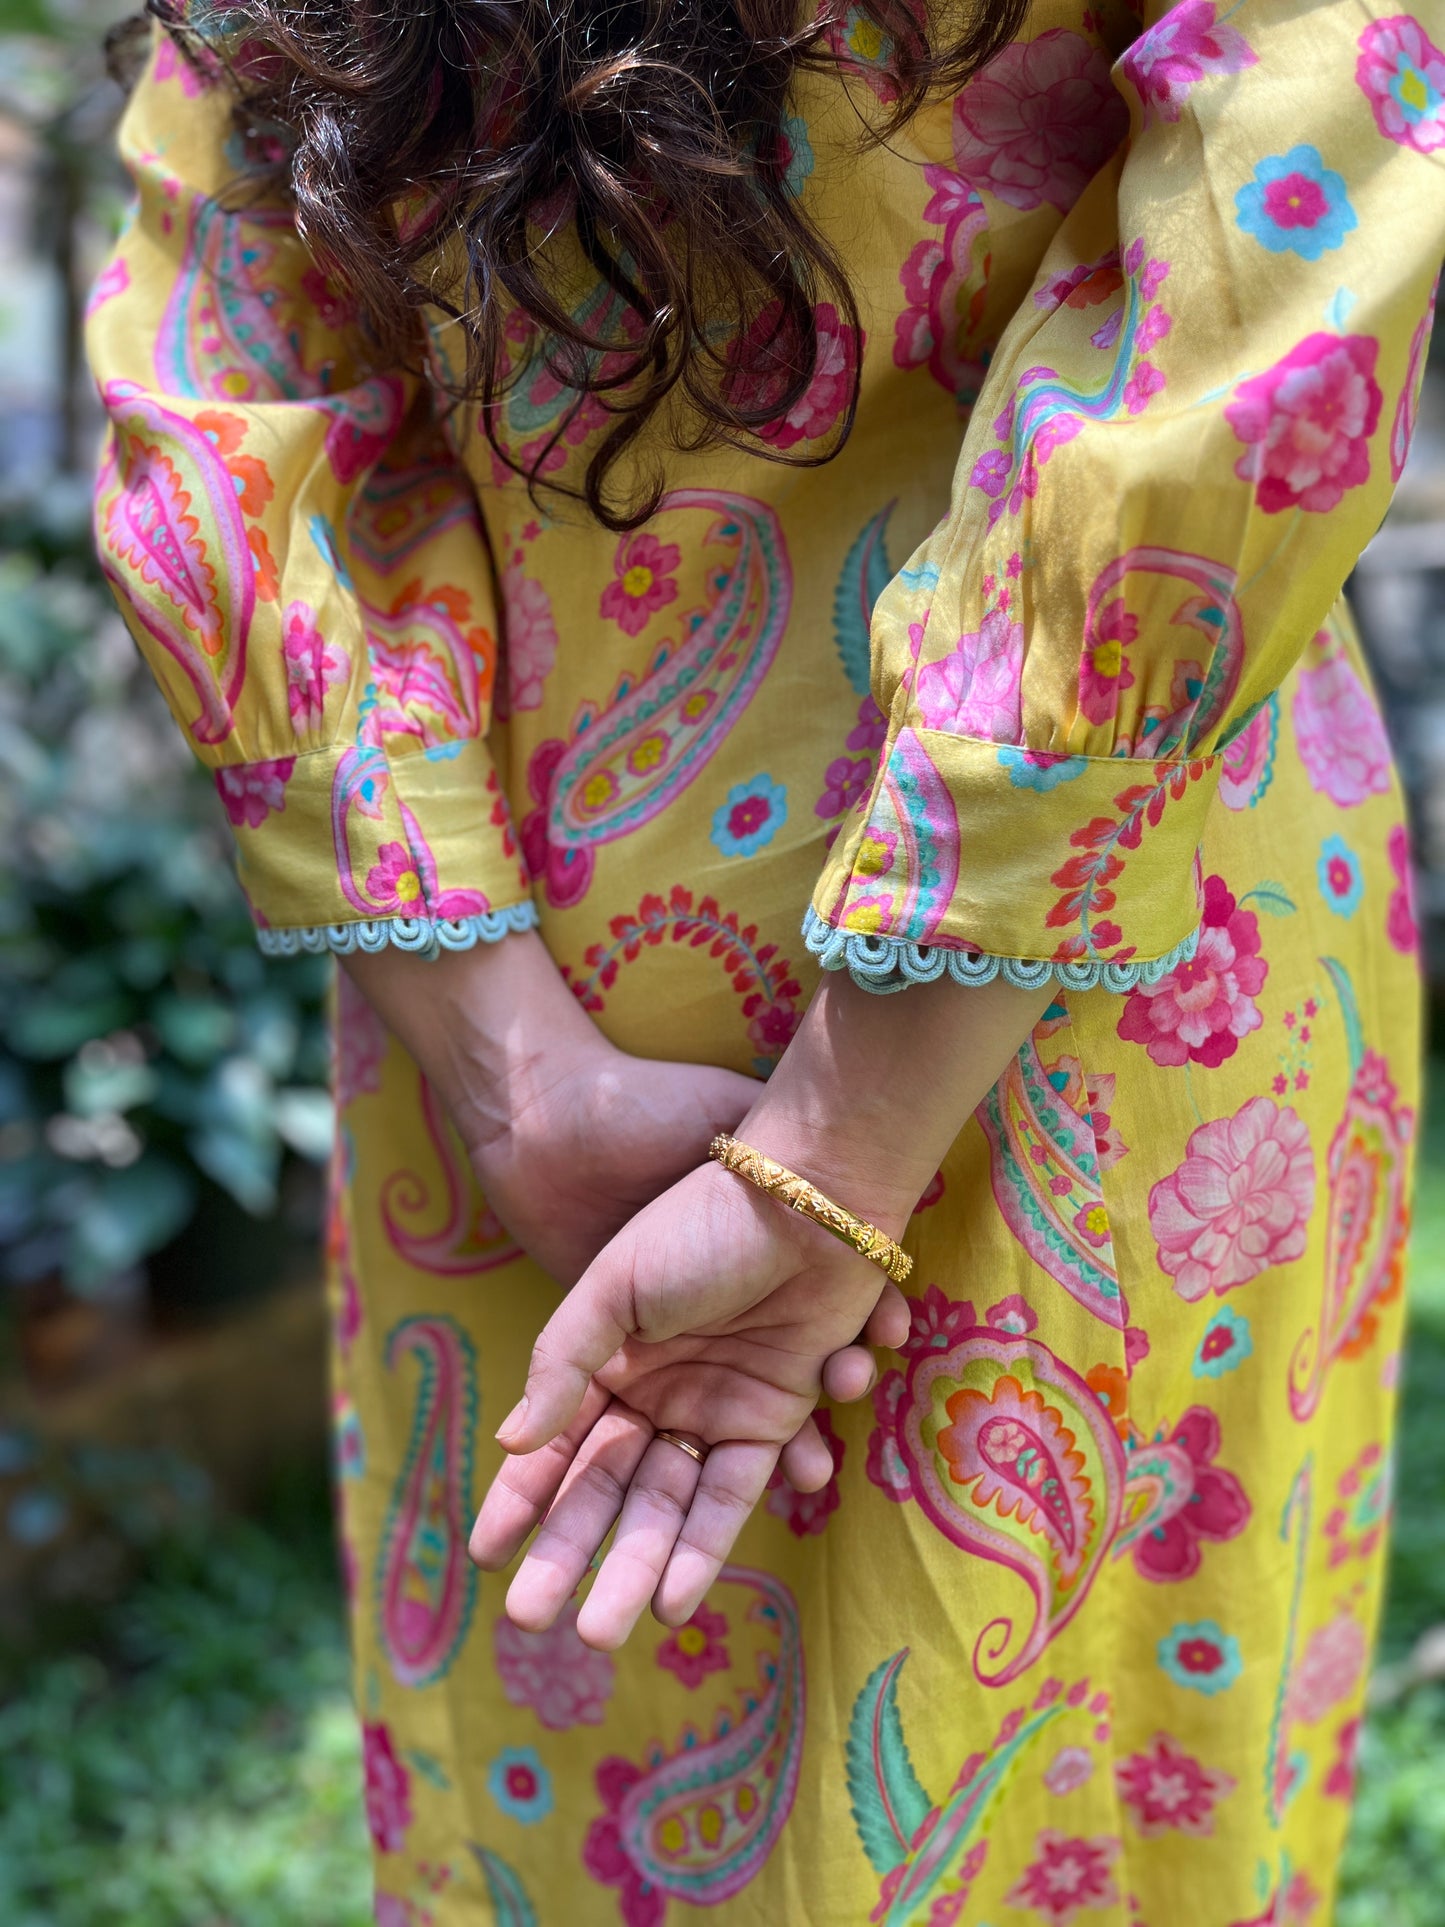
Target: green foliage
<point>200,1765</point>
<point>1392,1874</point>
<point>152,1062</point>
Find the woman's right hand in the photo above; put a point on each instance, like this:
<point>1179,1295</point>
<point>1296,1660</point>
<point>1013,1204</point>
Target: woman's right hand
<point>568,1135</point>
<point>589,1138</point>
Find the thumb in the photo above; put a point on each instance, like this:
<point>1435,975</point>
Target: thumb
<point>589,1325</point>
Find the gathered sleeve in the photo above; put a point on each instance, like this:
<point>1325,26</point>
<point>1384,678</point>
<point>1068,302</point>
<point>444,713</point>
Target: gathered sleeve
<point>1187,434</point>
<point>298,555</point>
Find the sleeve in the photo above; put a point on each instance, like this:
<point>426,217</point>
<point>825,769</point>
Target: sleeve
<point>1187,434</point>
<point>298,555</point>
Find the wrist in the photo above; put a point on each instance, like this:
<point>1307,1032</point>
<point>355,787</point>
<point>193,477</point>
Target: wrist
<point>876,1181</point>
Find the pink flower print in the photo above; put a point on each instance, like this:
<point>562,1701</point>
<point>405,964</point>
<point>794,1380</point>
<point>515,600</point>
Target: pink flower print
<point>1040,120</point>
<point>938,1323</point>
<point>1154,325</point>
<point>1071,1767</point>
<point>249,792</point>
<point>771,1031</point>
<point>871,730</point>
<point>642,582</point>
<point>1186,46</point>
<point>360,1044</point>
<point>1329,1669</point>
<point>1247,763</point>
<point>1104,668</point>
<point>1239,1203</point>
<point>1068,1875</point>
<point>845,782</point>
<point>1013,1315</point>
<point>696,1649</point>
<point>1340,1780</point>
<point>976,690</point>
<point>394,883</point>
<point>1214,1507</point>
<point>763,364</point>
<point>1341,736</point>
<point>563,1681</point>
<point>991,472</point>
<point>887,1468</point>
<point>1201,1009</point>
<point>1402,74</point>
<point>1109,1145</point>
<point>113,279</point>
<point>392,1911</point>
<point>531,636</point>
<point>388,1789</point>
<point>1307,422</point>
<point>806,1513</point>
<point>1167,1790</point>
<point>1144,383</point>
<point>313,666</point>
<point>605,1855</point>
<point>1401,926</point>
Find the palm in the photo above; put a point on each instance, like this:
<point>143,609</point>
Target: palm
<point>713,1314</point>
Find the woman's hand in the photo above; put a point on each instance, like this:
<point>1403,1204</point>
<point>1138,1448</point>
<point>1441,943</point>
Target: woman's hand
<point>714,1314</point>
<point>568,1135</point>
<point>720,1315</point>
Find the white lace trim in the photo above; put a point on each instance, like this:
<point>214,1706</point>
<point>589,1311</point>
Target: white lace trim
<point>885,964</point>
<point>422,934</point>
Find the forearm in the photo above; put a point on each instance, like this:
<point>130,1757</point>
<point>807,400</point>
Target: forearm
<point>489,1026</point>
<point>873,1090</point>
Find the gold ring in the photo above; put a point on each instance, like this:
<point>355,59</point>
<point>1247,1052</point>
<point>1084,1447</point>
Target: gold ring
<point>683,1445</point>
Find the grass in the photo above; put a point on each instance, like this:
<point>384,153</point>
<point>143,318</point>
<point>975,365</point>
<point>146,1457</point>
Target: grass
<point>198,1765</point>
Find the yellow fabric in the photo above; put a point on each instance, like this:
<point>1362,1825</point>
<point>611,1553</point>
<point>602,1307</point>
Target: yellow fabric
<point>1077,1635</point>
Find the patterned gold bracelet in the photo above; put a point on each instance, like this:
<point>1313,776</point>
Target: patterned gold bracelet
<point>795,1192</point>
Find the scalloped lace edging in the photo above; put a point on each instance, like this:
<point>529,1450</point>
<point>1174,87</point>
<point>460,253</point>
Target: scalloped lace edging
<point>422,934</point>
<point>885,964</point>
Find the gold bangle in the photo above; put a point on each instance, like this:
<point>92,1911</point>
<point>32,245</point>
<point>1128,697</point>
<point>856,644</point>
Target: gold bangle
<point>795,1192</point>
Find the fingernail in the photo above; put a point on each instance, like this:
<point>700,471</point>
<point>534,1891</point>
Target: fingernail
<point>513,1421</point>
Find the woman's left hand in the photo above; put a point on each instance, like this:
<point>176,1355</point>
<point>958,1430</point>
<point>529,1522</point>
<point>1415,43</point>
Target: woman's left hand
<point>719,1314</point>
<point>715,1313</point>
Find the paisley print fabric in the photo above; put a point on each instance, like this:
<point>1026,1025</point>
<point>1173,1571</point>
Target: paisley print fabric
<point>1049,667</point>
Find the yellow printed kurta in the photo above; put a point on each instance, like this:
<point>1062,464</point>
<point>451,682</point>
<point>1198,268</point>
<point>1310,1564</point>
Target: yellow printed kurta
<point>1046,672</point>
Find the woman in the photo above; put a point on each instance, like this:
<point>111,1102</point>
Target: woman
<point>593,480</point>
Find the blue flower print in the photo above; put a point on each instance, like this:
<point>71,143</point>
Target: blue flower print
<point>799,150</point>
<point>521,1785</point>
<point>1039,769</point>
<point>1296,205</point>
<point>1226,1343</point>
<point>751,817</point>
<point>1342,881</point>
<point>1201,1657</point>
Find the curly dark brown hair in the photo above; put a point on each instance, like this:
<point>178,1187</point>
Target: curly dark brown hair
<point>504,159</point>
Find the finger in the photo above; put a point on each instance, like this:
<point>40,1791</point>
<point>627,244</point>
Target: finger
<point>524,1488</point>
<point>653,1515</point>
<point>806,1461</point>
<point>588,1326</point>
<point>849,1374</point>
<point>733,1480</point>
<point>890,1321</point>
<point>579,1519</point>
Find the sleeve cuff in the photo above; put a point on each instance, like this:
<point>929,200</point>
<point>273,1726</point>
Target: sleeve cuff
<point>886,964</point>
<point>416,850</point>
<point>1016,860</point>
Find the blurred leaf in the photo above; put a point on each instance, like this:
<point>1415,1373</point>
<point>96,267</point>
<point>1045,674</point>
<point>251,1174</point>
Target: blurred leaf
<point>306,1120</point>
<point>195,1029</point>
<point>127,1213</point>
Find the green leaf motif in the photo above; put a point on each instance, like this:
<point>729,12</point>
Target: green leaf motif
<point>866,574</point>
<point>510,1904</point>
<point>1272,898</point>
<point>889,1805</point>
<point>1349,1010</point>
